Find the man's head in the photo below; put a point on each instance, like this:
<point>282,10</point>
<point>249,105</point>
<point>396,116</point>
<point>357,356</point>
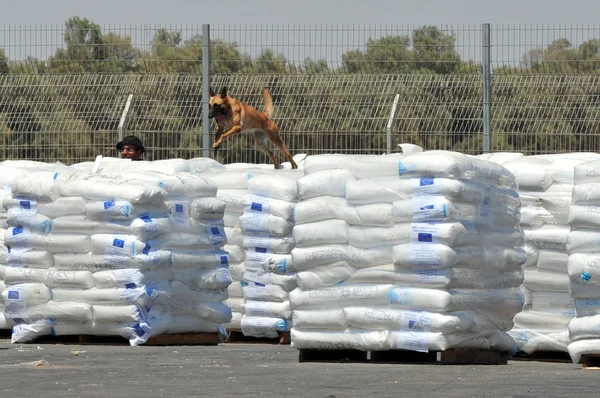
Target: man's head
<point>131,148</point>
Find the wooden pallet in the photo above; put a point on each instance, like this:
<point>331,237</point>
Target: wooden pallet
<point>543,356</point>
<point>160,340</point>
<point>590,361</point>
<point>448,357</point>
<point>236,336</point>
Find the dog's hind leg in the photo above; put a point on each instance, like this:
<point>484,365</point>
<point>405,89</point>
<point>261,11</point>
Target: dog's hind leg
<point>261,141</point>
<point>278,142</point>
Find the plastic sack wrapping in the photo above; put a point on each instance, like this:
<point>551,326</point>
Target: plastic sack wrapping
<point>424,253</point>
<point>133,254</point>
<point>582,246</point>
<point>546,186</point>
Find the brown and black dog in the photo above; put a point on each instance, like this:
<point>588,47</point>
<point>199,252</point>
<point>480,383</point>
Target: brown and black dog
<point>234,117</point>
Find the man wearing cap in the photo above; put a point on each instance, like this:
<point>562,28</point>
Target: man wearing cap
<point>131,148</point>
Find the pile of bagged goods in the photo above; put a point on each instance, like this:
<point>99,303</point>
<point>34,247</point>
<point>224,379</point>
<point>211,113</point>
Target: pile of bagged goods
<point>132,250</point>
<point>545,188</point>
<point>258,224</point>
<point>422,251</point>
<point>583,246</point>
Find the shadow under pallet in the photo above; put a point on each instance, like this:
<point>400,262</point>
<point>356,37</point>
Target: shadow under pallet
<point>543,356</point>
<point>590,361</point>
<point>448,357</point>
<point>236,336</point>
<point>177,339</point>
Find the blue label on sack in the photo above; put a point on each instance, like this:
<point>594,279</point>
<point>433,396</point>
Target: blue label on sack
<point>405,168</point>
<point>109,204</point>
<point>130,285</point>
<point>139,330</point>
<point>585,277</point>
<point>13,295</point>
<point>424,237</point>
<point>118,243</point>
<point>282,266</point>
<point>259,284</point>
<point>17,230</point>
<point>256,206</point>
<point>25,204</point>
<point>146,218</point>
<point>146,249</point>
<point>224,260</point>
<point>215,230</point>
<point>178,208</point>
<point>150,289</point>
<point>428,207</point>
<point>55,176</point>
<point>426,181</point>
<point>411,324</point>
<point>260,250</point>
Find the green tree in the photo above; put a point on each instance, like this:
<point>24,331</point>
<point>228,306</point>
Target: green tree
<point>315,67</point>
<point>3,62</point>
<point>269,62</point>
<point>84,45</point>
<point>120,55</point>
<point>387,55</point>
<point>434,50</point>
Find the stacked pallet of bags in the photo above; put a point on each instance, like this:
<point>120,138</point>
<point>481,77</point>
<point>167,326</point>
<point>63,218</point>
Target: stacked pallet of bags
<point>583,246</point>
<point>233,191</point>
<point>267,224</point>
<point>9,170</point>
<point>545,184</point>
<point>134,256</point>
<point>323,257</point>
<point>431,258</point>
<point>4,324</point>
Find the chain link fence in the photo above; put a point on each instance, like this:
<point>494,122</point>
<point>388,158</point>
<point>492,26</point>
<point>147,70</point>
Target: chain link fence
<point>63,90</point>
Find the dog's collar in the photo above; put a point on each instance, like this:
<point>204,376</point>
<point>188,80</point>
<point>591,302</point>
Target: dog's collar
<point>219,117</point>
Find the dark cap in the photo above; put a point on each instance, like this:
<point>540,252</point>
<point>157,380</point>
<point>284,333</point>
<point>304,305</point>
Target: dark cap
<point>131,140</point>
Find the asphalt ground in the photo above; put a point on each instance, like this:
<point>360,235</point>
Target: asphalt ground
<point>250,370</point>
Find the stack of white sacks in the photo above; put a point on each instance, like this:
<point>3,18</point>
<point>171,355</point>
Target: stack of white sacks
<point>419,252</point>
<point>545,185</point>
<point>9,170</point>
<point>233,191</point>
<point>136,255</point>
<point>267,225</point>
<point>4,324</point>
<point>583,246</point>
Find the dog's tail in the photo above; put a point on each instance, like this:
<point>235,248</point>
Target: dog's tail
<point>268,102</point>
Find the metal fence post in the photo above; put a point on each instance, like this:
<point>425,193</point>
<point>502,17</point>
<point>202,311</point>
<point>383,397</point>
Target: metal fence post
<point>124,117</point>
<point>389,124</point>
<point>205,90</point>
<point>487,89</point>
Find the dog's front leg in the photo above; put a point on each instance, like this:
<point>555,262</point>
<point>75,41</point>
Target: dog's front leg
<point>219,141</point>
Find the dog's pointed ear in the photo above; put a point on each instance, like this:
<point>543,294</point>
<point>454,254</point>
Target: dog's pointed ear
<point>224,93</point>
<point>212,92</point>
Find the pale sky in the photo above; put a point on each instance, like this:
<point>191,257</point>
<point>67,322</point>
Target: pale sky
<point>396,12</point>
